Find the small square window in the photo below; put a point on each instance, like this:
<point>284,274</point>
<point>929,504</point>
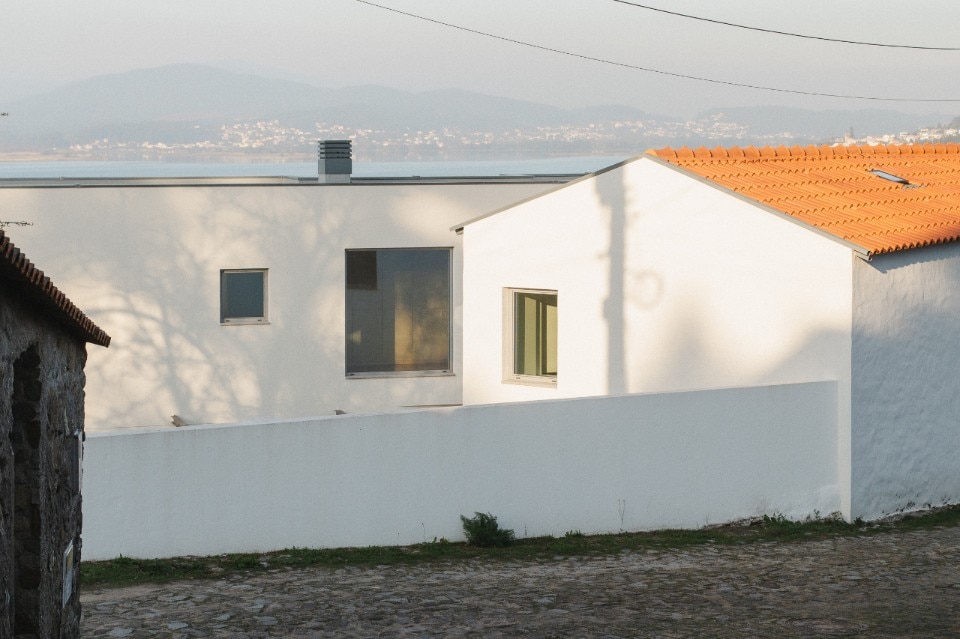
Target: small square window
<point>243,296</point>
<point>531,332</point>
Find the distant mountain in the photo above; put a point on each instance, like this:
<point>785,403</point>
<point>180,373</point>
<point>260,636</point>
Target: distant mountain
<point>392,109</point>
<point>198,94</point>
<point>188,109</point>
<point>172,93</point>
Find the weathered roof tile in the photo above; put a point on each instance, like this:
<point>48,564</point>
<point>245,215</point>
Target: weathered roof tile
<point>16,269</point>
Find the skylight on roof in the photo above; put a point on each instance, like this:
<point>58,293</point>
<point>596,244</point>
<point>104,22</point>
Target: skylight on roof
<point>903,182</point>
<point>890,176</point>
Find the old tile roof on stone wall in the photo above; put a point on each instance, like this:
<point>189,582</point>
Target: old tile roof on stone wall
<point>833,188</point>
<point>17,272</point>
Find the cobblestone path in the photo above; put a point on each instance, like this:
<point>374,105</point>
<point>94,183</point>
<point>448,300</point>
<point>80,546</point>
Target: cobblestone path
<point>889,585</point>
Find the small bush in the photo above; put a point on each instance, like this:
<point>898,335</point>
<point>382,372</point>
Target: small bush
<point>483,530</point>
<point>244,562</point>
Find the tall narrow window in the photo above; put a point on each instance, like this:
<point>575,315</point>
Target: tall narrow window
<point>397,310</point>
<point>534,320</point>
<point>243,296</point>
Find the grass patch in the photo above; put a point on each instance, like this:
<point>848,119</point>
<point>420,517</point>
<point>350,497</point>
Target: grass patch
<point>125,571</point>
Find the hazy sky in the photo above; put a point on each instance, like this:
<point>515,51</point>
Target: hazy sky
<point>343,42</point>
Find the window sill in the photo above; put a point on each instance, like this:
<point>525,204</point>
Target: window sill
<point>530,380</point>
<point>245,322</point>
<point>383,375</point>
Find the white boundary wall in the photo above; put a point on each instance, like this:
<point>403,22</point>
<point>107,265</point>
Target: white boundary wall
<point>598,464</point>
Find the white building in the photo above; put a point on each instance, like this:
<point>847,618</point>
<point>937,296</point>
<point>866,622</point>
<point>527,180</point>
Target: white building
<point>683,270</point>
<point>685,338</point>
<point>233,299</point>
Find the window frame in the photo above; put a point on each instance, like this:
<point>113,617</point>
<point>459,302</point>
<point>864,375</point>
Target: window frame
<point>510,337</point>
<point>260,320</point>
<point>427,372</point>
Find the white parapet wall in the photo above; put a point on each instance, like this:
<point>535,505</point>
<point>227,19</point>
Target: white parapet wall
<point>600,464</point>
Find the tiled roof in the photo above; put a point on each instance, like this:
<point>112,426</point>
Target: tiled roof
<point>18,272</point>
<point>833,189</point>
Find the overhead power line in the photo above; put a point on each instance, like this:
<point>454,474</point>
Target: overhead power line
<point>785,33</point>
<point>635,67</point>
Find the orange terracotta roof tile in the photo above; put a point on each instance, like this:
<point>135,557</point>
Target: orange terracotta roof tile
<point>833,188</point>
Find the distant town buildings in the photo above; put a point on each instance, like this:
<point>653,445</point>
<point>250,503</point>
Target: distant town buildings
<point>926,134</point>
<point>274,139</point>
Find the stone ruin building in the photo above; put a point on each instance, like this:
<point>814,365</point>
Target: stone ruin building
<point>43,339</point>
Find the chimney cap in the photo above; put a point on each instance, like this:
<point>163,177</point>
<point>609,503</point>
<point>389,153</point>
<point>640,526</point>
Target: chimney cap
<point>334,160</point>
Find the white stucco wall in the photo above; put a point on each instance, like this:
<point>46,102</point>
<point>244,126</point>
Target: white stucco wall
<point>543,468</point>
<point>663,283</point>
<point>906,389</point>
<point>144,263</point>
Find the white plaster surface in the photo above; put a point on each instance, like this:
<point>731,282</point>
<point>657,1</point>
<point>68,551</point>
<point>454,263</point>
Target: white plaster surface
<point>664,283</point>
<point>906,385</point>
<point>543,468</point>
<point>144,263</point>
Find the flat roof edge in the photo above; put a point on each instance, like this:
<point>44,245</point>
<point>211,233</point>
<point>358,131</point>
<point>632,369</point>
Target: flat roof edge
<point>145,182</point>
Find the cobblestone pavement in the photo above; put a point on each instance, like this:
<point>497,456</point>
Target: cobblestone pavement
<point>889,585</point>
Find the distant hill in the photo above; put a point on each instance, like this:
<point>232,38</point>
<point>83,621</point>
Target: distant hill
<point>171,93</point>
<point>174,107</point>
<point>198,94</point>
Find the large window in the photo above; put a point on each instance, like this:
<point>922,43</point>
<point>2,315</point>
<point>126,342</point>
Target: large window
<point>533,335</point>
<point>398,310</point>
<point>243,296</point>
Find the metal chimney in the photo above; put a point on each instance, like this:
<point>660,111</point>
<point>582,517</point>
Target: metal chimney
<point>334,163</point>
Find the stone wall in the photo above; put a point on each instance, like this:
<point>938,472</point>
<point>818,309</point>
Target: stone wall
<point>41,426</point>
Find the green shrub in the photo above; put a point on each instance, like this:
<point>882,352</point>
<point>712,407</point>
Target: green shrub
<point>244,561</point>
<point>483,530</point>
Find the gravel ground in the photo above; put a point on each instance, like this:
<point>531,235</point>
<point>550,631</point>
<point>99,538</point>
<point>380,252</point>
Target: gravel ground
<point>888,585</point>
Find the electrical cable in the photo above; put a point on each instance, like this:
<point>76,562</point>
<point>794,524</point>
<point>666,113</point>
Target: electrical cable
<point>785,33</point>
<point>648,69</point>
